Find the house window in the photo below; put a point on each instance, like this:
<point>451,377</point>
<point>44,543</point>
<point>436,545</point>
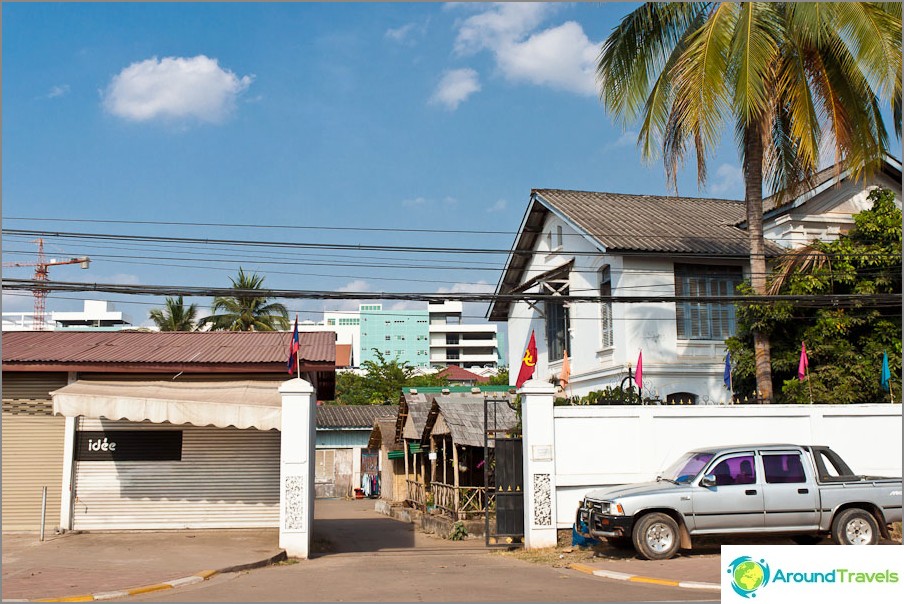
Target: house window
<point>606,307</point>
<point>559,236</point>
<point>388,337</point>
<point>331,321</point>
<point>705,320</point>
<point>557,339</point>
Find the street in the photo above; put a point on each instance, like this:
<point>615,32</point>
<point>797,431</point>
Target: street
<point>363,556</point>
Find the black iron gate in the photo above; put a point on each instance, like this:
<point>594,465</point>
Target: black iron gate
<point>504,481</point>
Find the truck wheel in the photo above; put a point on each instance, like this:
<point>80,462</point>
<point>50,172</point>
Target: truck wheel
<point>855,527</point>
<point>656,536</point>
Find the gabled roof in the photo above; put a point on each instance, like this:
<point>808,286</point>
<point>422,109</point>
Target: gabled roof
<point>463,415</point>
<point>383,432</point>
<point>454,373</point>
<point>823,180</point>
<point>618,223</point>
<point>143,351</point>
<point>361,417</point>
<point>343,355</point>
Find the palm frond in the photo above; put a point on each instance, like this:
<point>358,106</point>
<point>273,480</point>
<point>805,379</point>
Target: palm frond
<point>754,48</point>
<point>805,259</point>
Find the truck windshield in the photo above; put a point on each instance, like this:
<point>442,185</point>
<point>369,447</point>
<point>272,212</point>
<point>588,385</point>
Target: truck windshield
<point>687,466</point>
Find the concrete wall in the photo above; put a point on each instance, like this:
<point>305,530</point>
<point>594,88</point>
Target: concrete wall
<point>605,445</point>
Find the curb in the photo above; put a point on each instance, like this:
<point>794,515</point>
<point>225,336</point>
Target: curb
<point>198,577</point>
<point>610,574</point>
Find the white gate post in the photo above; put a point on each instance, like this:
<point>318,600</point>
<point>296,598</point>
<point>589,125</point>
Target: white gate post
<point>296,467</point>
<point>538,440</point>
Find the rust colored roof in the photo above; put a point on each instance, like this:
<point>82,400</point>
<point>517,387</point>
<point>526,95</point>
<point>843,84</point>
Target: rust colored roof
<point>343,355</point>
<point>454,373</point>
<point>223,348</point>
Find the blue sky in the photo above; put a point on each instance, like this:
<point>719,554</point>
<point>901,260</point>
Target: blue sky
<point>393,116</point>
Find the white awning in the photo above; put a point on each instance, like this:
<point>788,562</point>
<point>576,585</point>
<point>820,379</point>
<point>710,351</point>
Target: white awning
<point>240,403</point>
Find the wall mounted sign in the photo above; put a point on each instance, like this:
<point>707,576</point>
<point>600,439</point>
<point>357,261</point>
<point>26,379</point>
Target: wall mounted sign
<point>129,445</point>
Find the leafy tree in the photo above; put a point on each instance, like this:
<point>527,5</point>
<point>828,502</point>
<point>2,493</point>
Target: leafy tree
<point>844,344</point>
<point>788,75</point>
<point>247,310</point>
<point>427,380</point>
<point>175,316</point>
<point>352,389</point>
<point>501,378</point>
<point>383,379</point>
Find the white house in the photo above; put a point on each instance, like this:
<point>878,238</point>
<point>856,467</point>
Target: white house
<point>582,243</point>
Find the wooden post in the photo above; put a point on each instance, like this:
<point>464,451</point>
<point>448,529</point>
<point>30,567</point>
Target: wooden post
<point>433,461</point>
<point>445,462</point>
<point>455,462</point>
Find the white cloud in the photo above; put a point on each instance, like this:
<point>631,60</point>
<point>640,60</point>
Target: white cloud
<point>560,57</point>
<point>729,180</point>
<point>481,287</point>
<point>58,91</point>
<point>499,206</point>
<point>430,204</point>
<point>627,139</point>
<point>356,286</point>
<point>408,34</point>
<point>455,87</point>
<point>174,87</point>
<point>504,22</point>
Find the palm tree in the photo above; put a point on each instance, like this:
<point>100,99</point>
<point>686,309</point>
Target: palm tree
<point>245,310</point>
<point>175,316</point>
<point>790,76</point>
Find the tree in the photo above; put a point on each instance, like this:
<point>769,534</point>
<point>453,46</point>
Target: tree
<point>352,389</point>
<point>790,75</point>
<point>246,310</point>
<point>844,345</point>
<point>175,316</point>
<point>385,379</point>
<point>501,378</point>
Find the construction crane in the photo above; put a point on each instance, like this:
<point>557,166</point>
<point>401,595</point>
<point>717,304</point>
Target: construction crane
<point>41,268</point>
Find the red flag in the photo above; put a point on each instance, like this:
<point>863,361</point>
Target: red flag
<point>528,363</point>
<point>638,375</point>
<point>804,363</point>
<point>293,349</point>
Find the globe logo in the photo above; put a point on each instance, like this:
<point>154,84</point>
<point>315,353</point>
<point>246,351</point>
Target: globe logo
<point>748,575</point>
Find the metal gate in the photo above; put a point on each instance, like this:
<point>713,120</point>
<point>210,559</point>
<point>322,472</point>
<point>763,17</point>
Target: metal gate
<point>504,481</point>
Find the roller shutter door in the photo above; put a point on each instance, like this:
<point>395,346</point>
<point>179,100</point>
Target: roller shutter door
<point>227,478</point>
<point>32,458</point>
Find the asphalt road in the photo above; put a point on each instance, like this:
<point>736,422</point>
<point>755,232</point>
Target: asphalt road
<point>363,556</point>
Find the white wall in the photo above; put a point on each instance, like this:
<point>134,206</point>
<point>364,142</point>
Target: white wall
<point>605,445</point>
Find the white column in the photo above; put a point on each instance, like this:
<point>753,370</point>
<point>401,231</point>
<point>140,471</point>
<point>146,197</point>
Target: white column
<point>296,467</point>
<point>66,494</point>
<point>538,440</point>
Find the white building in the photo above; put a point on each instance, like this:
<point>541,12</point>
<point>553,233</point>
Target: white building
<point>97,315</point>
<point>455,343</point>
<point>581,243</point>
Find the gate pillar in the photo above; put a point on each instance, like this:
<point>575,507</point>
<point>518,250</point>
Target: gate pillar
<point>296,467</point>
<point>538,436</point>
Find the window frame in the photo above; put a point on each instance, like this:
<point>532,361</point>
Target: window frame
<point>709,321</point>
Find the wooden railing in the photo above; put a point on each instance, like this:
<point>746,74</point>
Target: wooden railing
<point>416,494</point>
<point>461,502</point>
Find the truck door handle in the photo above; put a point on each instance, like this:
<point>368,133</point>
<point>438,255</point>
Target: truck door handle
<point>750,492</point>
<point>803,491</point>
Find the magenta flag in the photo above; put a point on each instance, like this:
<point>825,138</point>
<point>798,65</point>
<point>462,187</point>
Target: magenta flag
<point>804,363</point>
<point>638,376</point>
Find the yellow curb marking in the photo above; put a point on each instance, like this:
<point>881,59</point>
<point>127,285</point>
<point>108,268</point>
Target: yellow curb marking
<point>148,588</point>
<point>206,574</point>
<point>638,579</point>
<point>88,598</point>
<point>581,567</point>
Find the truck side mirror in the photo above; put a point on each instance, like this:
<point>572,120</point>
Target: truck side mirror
<point>708,480</point>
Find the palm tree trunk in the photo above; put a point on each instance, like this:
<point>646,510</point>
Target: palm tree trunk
<point>753,196</point>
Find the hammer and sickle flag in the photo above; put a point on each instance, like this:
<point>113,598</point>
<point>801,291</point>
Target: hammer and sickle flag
<point>529,362</point>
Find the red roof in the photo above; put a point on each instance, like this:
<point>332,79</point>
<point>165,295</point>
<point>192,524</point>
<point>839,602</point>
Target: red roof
<point>246,350</point>
<point>343,355</point>
<point>454,373</point>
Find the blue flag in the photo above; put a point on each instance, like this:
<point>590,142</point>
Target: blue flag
<point>886,374</point>
<point>293,349</point>
<point>726,377</point>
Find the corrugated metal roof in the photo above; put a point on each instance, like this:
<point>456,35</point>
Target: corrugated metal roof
<point>353,416</point>
<point>201,348</point>
<point>464,415</point>
<point>654,223</point>
<point>454,373</point>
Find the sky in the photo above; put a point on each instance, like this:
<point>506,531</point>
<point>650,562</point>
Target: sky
<point>417,124</point>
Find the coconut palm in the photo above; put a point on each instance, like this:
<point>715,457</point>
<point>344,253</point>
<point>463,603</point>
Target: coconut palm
<point>793,78</point>
<point>175,316</point>
<point>246,310</point>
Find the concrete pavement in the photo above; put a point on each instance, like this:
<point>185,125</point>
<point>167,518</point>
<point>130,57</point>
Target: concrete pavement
<point>350,539</point>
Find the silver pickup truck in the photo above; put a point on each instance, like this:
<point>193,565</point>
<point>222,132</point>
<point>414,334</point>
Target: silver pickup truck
<point>807,492</point>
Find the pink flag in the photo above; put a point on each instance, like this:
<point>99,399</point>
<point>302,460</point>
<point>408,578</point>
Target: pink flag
<point>638,375</point>
<point>804,363</point>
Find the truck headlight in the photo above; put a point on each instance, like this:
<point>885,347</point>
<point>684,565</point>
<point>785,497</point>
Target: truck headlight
<point>616,509</point>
